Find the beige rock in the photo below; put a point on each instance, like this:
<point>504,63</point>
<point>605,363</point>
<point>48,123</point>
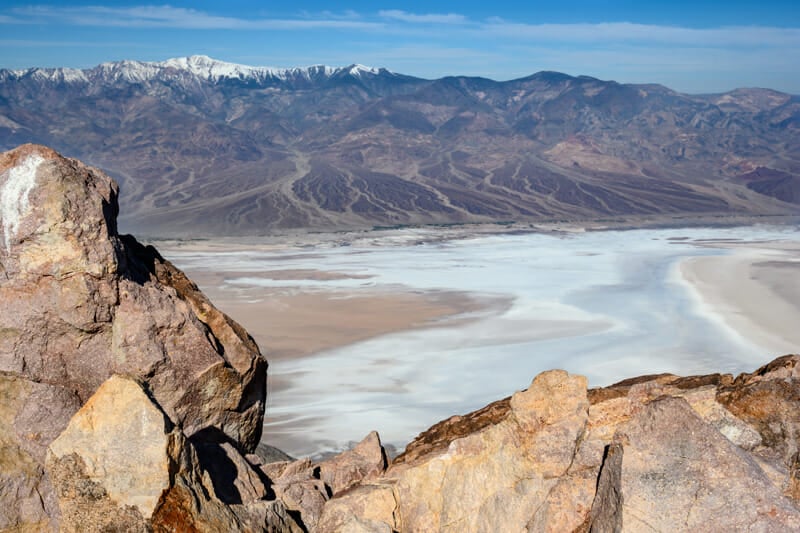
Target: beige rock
<point>121,465</point>
<point>121,439</point>
<point>82,303</point>
<point>368,509</point>
<point>554,410</point>
<point>658,453</point>
<point>704,402</point>
<point>679,473</point>
<point>493,479</point>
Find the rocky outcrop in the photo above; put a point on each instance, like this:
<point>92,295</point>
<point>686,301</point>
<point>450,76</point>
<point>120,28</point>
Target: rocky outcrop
<point>81,304</point>
<point>656,453</point>
<point>305,487</point>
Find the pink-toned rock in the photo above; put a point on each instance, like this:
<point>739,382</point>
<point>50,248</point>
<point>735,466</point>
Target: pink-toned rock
<point>367,460</point>
<point>29,502</point>
<point>679,473</point>
<point>82,303</point>
<point>298,486</point>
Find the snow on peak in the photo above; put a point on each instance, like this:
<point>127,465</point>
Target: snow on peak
<point>358,70</point>
<point>207,68</point>
<point>198,66</point>
<point>64,75</point>
<point>127,70</point>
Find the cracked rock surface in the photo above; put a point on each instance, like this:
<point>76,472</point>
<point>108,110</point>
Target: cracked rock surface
<point>80,304</point>
<point>656,453</point>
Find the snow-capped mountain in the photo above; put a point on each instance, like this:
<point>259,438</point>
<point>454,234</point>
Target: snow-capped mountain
<point>203,146</point>
<point>198,66</point>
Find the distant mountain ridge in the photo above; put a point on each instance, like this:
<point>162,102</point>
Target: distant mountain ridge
<point>207,147</point>
<point>200,66</point>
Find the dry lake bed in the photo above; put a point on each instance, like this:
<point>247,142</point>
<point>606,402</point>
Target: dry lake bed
<point>397,330</point>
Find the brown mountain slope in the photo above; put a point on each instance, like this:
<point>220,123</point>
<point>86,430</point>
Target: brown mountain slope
<point>245,153</point>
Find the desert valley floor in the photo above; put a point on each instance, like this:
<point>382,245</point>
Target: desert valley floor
<point>407,327</point>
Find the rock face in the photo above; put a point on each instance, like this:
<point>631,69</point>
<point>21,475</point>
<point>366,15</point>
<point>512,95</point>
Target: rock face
<point>82,304</point>
<point>658,453</point>
<point>120,439</point>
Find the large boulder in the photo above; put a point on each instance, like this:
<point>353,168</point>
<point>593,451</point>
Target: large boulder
<point>678,472</point>
<point>122,465</point>
<point>82,303</point>
<point>494,479</point>
<point>121,438</point>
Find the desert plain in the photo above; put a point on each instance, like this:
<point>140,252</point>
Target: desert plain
<point>409,326</point>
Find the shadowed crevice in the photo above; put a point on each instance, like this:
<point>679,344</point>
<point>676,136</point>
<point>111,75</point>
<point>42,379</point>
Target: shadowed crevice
<point>606,513</point>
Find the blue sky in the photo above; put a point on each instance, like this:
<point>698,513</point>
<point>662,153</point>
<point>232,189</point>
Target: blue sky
<point>692,46</point>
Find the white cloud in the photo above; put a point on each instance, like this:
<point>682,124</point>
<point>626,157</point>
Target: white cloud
<point>429,18</point>
<point>347,14</point>
<point>398,22</point>
<point>621,32</point>
<point>182,18</point>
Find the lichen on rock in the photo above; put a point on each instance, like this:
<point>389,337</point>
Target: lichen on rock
<point>17,185</point>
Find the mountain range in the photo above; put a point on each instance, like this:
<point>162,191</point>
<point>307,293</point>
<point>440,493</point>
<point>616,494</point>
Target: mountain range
<point>204,147</point>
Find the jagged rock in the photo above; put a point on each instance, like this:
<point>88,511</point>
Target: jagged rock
<point>113,461</point>
<point>233,478</point>
<point>128,402</point>
<point>493,479</point>
<point>85,303</point>
<point>192,504</point>
<point>270,454</point>
<point>440,435</point>
<point>768,400</point>
<point>367,509</point>
<point>121,464</point>
<point>606,513</point>
<point>654,453</point>
<point>298,486</point>
<point>82,303</point>
<point>366,460</point>
<point>31,416</point>
<point>304,486</point>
